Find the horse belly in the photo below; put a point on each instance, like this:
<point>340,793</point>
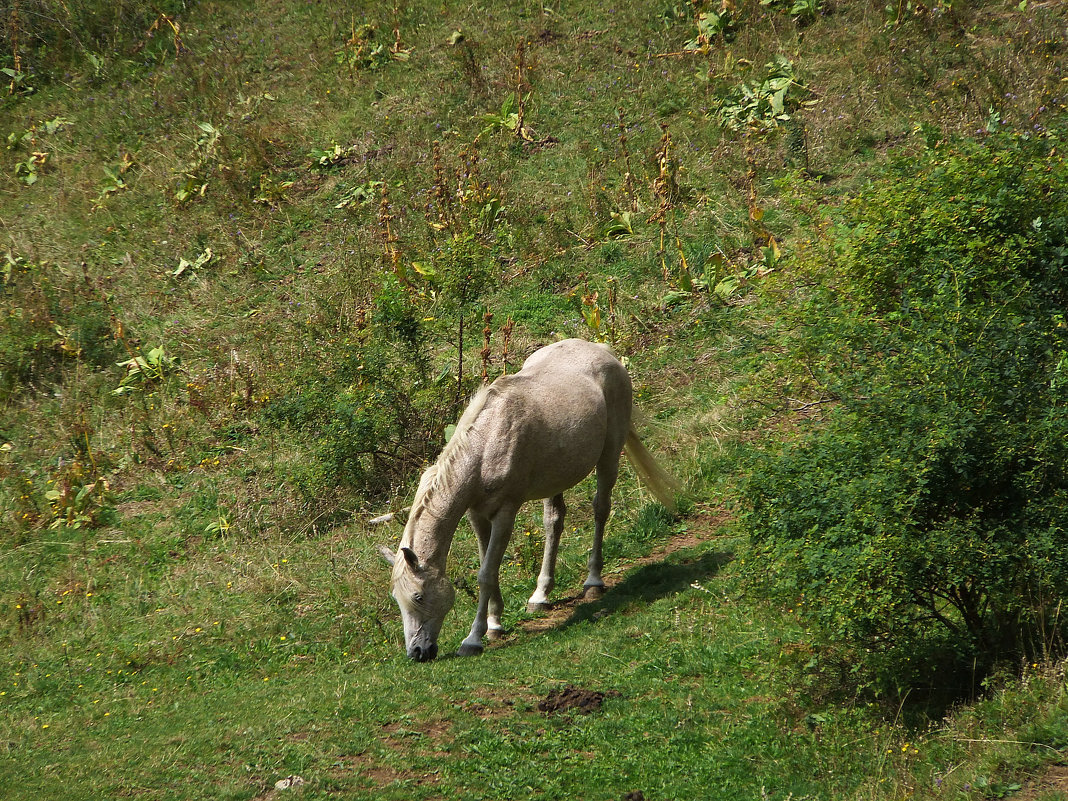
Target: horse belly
<point>553,422</point>
<point>554,478</point>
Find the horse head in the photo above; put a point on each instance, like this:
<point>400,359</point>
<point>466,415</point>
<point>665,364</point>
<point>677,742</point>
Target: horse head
<point>425,595</point>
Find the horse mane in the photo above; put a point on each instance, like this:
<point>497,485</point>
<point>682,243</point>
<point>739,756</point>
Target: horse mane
<point>440,475</point>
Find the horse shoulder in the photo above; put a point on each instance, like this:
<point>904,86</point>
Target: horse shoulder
<point>501,436</point>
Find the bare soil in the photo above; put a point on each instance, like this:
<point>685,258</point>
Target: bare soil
<point>573,699</point>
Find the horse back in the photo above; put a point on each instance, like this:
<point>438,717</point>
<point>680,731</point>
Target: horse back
<point>548,426</point>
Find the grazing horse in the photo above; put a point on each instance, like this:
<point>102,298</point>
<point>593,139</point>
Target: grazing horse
<point>526,436</point>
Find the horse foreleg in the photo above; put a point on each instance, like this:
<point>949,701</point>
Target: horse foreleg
<point>489,583</point>
<point>483,530</point>
<point>554,509</point>
<point>602,506</point>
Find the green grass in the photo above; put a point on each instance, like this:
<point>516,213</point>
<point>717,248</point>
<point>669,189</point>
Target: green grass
<point>687,713</point>
<point>701,693</point>
<point>219,617</point>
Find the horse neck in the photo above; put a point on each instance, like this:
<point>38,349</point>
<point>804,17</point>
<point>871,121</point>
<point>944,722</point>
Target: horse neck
<point>432,528</point>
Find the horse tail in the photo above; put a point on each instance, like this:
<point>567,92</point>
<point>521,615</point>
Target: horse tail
<point>662,484</point>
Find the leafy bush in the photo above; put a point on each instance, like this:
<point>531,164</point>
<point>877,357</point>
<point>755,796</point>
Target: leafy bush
<point>368,412</point>
<point>763,106</point>
<point>931,510</point>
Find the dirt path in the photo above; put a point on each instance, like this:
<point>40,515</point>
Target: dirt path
<point>702,526</point>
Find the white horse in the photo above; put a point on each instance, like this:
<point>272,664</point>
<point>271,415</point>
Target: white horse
<point>529,435</point>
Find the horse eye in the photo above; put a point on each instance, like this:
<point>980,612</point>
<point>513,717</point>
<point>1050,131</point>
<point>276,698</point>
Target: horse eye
<point>418,598</point>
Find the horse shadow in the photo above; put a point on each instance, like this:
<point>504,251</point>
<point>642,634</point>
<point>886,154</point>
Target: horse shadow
<point>649,583</point>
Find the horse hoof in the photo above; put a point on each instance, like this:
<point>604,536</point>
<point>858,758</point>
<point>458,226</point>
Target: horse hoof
<point>495,634</point>
<point>594,592</point>
<point>538,607</point>
<point>467,649</point>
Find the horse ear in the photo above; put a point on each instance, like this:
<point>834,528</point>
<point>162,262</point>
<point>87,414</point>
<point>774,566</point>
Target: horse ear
<point>410,558</point>
<point>387,554</point>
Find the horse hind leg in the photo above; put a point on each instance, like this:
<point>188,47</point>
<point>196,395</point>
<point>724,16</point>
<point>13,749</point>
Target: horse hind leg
<point>553,512</point>
<point>607,472</point>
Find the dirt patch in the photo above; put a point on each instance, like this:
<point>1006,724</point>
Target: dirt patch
<point>129,510</point>
<point>380,773</point>
<point>561,611</point>
<point>704,524</point>
<point>487,708</point>
<point>401,737</point>
<point>573,699</point>
<point>1054,780</point>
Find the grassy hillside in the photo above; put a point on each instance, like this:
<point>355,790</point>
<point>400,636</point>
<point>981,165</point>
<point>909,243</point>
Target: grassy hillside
<point>254,258</point>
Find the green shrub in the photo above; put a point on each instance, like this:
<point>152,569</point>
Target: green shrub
<point>930,513</point>
<point>366,412</point>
